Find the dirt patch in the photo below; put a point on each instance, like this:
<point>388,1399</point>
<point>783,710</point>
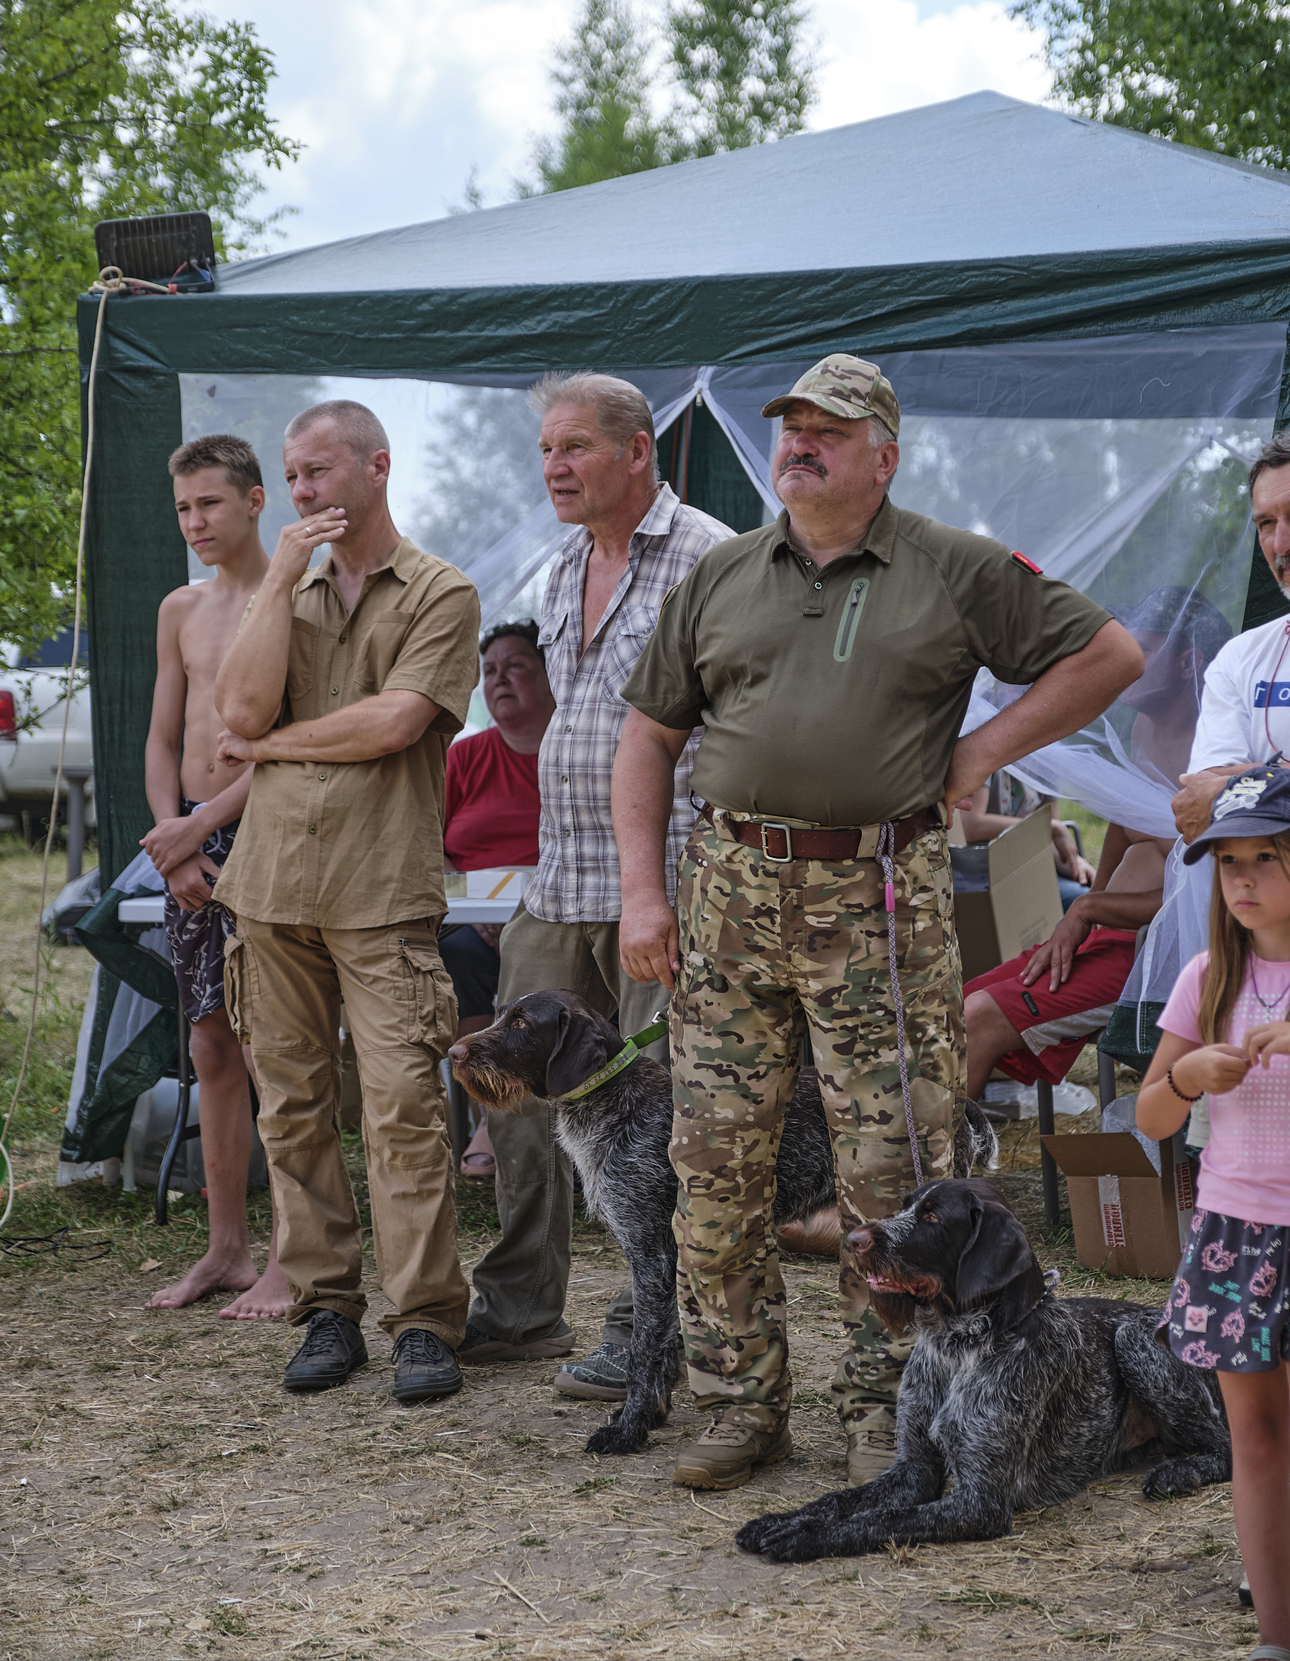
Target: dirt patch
<point>176,1502</point>
<point>161,1497</point>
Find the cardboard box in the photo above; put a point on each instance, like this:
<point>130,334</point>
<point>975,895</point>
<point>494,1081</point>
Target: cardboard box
<point>1005,893</point>
<point>1130,1221</point>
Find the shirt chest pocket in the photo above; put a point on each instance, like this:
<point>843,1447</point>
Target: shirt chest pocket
<point>376,649</point>
<point>302,660</point>
<point>552,631</point>
<point>630,630</point>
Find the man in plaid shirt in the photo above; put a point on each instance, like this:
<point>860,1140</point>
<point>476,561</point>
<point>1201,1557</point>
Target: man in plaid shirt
<point>635,541</point>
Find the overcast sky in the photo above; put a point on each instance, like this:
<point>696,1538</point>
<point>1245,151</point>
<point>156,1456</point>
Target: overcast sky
<point>396,100</point>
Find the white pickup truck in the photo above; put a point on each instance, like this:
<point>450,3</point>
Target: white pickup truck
<point>31,725</point>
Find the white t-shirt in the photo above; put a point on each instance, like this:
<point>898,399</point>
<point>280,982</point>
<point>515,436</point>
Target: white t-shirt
<point>1248,681</point>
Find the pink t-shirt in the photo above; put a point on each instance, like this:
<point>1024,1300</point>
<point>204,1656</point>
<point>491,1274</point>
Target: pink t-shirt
<point>1245,1168</point>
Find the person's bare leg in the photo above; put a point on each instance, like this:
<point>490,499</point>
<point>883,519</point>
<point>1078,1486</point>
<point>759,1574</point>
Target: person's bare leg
<point>1258,1411</point>
<point>270,1296</point>
<point>226,1152</point>
<point>990,1034</point>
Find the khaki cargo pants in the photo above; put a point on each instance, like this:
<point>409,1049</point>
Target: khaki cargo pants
<point>770,952</point>
<point>283,986</point>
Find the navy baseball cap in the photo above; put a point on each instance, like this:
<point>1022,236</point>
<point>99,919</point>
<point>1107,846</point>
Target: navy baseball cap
<point>1254,803</point>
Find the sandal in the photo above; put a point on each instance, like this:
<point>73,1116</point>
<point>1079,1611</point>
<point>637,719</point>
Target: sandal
<point>477,1162</point>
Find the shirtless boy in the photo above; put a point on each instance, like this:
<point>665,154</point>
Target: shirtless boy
<point>219,497</point>
<point>1030,1017</point>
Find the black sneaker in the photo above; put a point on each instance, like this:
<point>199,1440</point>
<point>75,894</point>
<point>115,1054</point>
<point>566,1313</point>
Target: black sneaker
<point>332,1349</point>
<point>424,1366</point>
<point>600,1376</point>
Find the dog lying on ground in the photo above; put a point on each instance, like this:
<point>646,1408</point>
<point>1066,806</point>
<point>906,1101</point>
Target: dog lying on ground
<point>1018,1397</point>
<point>617,1135</point>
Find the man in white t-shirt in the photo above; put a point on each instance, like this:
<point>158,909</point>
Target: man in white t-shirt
<point>1245,710</point>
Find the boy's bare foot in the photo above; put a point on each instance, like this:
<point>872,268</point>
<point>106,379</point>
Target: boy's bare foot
<point>269,1296</point>
<point>208,1274</point>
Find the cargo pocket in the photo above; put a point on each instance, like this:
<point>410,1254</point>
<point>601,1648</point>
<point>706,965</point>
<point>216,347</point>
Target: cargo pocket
<point>431,1003</point>
<point>239,982</point>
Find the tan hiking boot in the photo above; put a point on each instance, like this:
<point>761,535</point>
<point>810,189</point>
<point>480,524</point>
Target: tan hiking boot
<point>871,1446</point>
<point>724,1456</point>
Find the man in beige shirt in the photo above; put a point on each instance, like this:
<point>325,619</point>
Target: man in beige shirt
<point>345,686</point>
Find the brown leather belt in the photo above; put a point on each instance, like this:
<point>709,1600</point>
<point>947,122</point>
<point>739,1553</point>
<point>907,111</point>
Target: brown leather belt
<point>780,842</point>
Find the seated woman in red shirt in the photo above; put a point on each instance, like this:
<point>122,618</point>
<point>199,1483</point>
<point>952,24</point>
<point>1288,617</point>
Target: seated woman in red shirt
<point>491,821</point>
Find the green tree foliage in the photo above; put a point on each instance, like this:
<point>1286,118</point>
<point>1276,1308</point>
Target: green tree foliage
<point>602,97</point>
<point>741,72</point>
<point>1213,73</point>
<point>108,109</point>
<point>735,72</point>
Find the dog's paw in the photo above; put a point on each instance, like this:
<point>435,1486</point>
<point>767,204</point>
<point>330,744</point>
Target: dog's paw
<point>617,1439</point>
<point>754,1536</point>
<point>1171,1480</point>
<point>784,1538</point>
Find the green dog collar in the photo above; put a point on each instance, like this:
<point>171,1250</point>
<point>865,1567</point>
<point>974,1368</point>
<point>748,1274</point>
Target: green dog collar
<point>629,1052</point>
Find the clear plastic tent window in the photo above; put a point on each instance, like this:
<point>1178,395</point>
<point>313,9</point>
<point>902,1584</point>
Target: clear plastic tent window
<point>1115,464</point>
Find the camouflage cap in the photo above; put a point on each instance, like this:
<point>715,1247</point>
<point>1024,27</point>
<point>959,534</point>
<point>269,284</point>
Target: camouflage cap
<point>844,386</point>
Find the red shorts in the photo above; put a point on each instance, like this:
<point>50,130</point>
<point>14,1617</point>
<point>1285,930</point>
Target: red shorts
<point>1057,1025</point>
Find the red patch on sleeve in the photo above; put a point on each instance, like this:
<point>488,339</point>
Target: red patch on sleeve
<point>1029,564</point>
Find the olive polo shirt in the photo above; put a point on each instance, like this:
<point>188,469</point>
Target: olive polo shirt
<point>835,694</point>
<point>359,844</point>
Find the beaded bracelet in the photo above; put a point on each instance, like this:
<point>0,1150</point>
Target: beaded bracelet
<point>1177,1092</point>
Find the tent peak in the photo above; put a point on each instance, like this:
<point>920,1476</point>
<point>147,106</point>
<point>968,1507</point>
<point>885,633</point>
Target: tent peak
<point>981,177</point>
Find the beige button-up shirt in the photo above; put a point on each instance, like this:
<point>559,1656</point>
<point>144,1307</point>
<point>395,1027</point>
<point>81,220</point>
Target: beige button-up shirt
<point>359,844</point>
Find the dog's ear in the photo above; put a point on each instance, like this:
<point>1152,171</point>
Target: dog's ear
<point>579,1051</point>
<point>997,1263</point>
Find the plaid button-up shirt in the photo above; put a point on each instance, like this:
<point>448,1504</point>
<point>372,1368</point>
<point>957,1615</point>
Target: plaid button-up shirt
<point>577,879</point>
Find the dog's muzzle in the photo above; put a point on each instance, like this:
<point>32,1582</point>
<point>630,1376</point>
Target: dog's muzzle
<point>885,1276</point>
<point>500,1092</point>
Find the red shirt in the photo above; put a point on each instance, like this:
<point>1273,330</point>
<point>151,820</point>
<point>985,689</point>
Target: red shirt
<point>491,812</point>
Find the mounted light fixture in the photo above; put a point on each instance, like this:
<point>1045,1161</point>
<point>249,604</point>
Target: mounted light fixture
<point>176,250</point>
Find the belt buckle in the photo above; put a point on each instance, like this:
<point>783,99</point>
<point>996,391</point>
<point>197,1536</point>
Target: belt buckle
<point>776,859</point>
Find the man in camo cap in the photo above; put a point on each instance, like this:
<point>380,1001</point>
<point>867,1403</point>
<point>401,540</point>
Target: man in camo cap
<point>829,658</point>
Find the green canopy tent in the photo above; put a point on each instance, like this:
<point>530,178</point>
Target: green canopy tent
<point>1004,262</point>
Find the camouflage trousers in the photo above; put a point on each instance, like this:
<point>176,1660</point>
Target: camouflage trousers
<point>769,953</point>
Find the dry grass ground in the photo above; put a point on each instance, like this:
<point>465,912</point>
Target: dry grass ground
<point>162,1497</point>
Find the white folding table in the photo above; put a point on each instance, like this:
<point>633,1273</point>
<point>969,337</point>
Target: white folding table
<point>151,909</point>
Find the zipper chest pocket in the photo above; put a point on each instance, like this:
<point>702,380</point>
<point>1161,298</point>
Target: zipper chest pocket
<point>850,620</point>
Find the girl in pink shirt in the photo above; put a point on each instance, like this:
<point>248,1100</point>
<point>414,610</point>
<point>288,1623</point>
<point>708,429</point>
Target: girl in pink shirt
<point>1225,1032</point>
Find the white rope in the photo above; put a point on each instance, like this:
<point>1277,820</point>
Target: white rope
<point>110,281</point>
